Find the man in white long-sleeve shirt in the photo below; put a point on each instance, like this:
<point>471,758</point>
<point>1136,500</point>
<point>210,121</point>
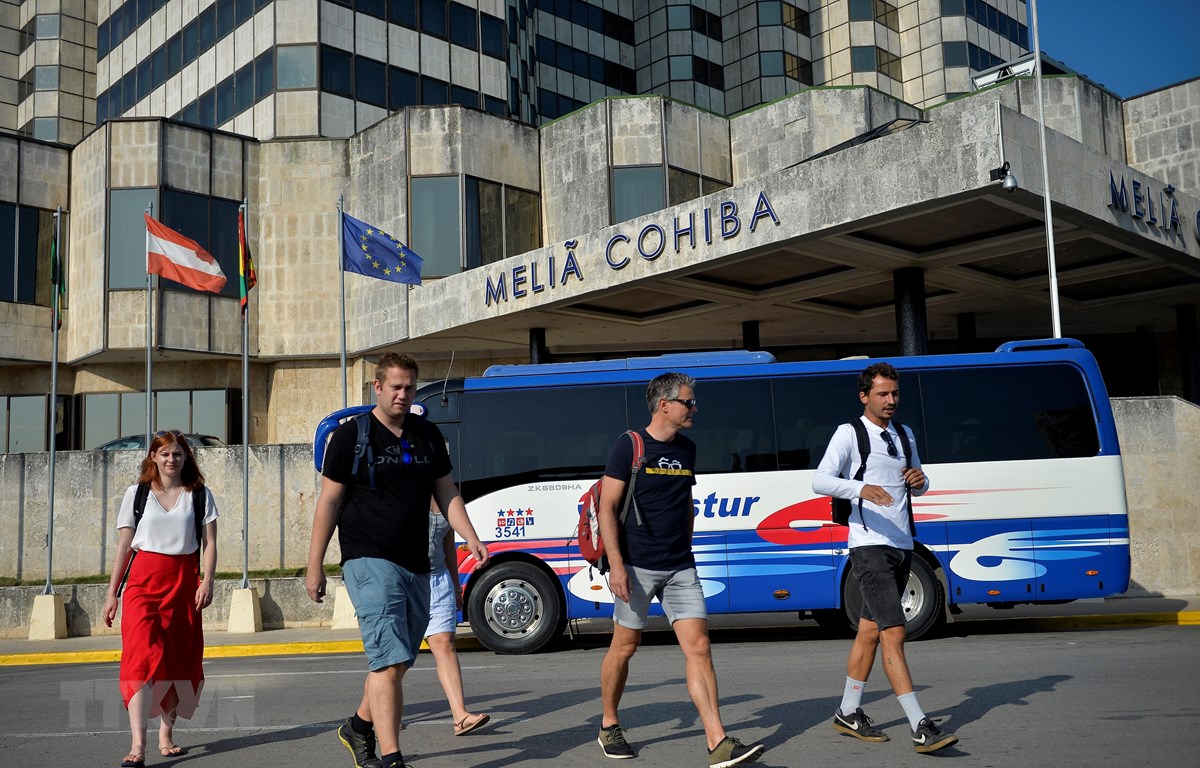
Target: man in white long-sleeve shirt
<point>881,544</point>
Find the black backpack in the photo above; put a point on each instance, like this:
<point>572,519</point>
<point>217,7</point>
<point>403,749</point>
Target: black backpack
<point>841,508</point>
<point>199,501</point>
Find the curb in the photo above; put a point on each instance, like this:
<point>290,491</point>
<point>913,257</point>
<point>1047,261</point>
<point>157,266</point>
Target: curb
<point>216,652</point>
<point>471,643</point>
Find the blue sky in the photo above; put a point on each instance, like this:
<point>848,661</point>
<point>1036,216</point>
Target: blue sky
<point>1128,46</point>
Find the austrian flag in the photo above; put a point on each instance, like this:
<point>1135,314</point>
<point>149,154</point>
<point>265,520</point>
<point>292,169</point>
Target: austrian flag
<point>175,257</point>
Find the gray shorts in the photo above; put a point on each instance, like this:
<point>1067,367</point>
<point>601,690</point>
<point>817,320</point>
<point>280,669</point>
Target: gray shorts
<point>680,593</point>
<point>882,575</point>
<point>392,605</point>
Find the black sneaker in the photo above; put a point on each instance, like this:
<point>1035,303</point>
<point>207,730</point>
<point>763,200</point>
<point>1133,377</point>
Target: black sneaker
<point>398,763</point>
<point>930,738</point>
<point>858,725</point>
<point>612,741</point>
<point>733,752</point>
<point>360,746</point>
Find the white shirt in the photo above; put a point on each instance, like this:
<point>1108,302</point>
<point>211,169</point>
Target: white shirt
<point>884,525</point>
<point>167,532</point>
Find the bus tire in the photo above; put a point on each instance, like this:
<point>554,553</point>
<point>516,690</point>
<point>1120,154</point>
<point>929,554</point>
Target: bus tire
<point>515,608</point>
<point>923,600</point>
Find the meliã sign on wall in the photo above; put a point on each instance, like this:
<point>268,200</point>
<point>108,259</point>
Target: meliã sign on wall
<point>550,271</point>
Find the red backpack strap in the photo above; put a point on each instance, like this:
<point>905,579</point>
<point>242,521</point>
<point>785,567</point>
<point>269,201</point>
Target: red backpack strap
<point>639,458</point>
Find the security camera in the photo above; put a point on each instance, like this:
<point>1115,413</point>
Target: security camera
<point>1010,183</point>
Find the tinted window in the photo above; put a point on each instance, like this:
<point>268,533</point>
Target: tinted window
<point>734,427</point>
<point>370,81</point>
<point>297,66</point>
<point>807,410</point>
<point>491,31</point>
<point>1005,414</point>
<point>403,12</point>
<point>954,54</point>
<point>264,74</point>
<point>463,26</point>
<point>433,17</point>
<point>636,191</point>
<point>402,88</point>
<point>435,224</point>
<point>510,445</point>
<point>337,72</point>
<point>127,241</point>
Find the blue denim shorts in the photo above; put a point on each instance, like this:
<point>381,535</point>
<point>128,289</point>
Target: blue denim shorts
<point>443,614</point>
<point>392,605</point>
<point>882,575</point>
<point>680,593</point>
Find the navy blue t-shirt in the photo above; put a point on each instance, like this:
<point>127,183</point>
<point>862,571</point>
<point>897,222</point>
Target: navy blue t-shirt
<point>392,520</point>
<point>663,540</point>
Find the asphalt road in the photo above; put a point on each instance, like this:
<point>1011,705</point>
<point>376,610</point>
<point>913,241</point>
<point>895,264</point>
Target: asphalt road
<point>1093,697</point>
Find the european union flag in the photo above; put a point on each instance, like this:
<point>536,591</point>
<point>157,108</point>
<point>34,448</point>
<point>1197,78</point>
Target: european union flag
<point>372,252</point>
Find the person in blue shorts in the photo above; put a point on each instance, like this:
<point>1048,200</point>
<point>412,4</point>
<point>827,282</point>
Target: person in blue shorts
<point>381,514</point>
<point>651,556</point>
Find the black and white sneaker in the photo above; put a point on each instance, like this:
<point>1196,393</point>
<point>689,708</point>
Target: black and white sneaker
<point>930,738</point>
<point>612,741</point>
<point>858,725</point>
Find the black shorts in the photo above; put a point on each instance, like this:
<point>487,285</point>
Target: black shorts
<point>882,574</point>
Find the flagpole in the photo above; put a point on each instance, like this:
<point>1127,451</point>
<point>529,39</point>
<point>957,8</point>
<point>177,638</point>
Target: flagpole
<point>149,332</point>
<point>245,402</point>
<point>342,295</point>
<point>52,419</point>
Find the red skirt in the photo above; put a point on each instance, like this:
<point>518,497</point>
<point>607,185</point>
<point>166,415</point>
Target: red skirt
<point>162,641</point>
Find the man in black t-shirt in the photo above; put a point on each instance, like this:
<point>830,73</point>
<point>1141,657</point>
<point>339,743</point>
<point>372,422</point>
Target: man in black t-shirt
<point>650,555</point>
<point>382,517</point>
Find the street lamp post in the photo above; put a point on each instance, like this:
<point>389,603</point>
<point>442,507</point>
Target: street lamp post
<point>1053,270</point>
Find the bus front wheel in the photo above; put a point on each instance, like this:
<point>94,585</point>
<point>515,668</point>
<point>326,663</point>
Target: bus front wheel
<point>923,600</point>
<point>515,608</point>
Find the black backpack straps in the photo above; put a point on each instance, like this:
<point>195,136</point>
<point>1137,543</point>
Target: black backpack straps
<point>907,448</point>
<point>199,507</point>
<point>864,447</point>
<point>639,459</point>
<point>362,447</point>
<point>139,503</point>
<point>864,450</point>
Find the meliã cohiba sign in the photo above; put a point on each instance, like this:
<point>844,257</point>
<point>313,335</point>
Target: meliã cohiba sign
<point>1157,207</point>
<point>548,271</point>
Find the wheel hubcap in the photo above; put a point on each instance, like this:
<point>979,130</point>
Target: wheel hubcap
<point>512,607</point>
<point>913,600</point>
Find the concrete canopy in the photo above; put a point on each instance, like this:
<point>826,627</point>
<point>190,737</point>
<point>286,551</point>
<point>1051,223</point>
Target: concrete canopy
<point>819,271</point>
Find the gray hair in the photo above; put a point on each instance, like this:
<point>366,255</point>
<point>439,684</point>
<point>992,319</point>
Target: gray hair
<point>666,386</point>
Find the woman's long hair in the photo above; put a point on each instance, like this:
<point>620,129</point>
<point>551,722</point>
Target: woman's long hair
<point>190,476</point>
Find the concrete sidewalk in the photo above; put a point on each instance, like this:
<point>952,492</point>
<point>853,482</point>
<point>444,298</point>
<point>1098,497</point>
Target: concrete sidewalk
<point>1080,614</point>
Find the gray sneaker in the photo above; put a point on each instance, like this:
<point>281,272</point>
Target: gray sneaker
<point>858,725</point>
<point>612,741</point>
<point>733,752</point>
<point>361,747</point>
<point>930,738</point>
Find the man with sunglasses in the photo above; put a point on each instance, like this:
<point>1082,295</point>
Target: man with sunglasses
<point>380,507</point>
<point>880,539</point>
<point>650,555</point>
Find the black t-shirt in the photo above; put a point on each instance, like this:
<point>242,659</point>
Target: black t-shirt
<point>663,495</point>
<point>392,521</point>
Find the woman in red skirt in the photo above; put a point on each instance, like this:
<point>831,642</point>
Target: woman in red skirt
<point>158,557</point>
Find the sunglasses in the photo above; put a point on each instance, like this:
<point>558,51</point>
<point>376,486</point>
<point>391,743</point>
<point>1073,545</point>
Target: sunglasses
<point>165,432</point>
<point>689,403</point>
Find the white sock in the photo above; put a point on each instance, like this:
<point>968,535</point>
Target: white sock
<point>852,695</point>
<point>911,708</point>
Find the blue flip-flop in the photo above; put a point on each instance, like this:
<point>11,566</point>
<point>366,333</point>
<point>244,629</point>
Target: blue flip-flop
<point>134,763</point>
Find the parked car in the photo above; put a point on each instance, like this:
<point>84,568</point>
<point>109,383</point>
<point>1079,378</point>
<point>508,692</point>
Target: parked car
<point>132,442</point>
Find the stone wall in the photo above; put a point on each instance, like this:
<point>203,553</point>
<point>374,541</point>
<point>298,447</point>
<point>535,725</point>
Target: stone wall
<point>1162,134</point>
<point>1160,440</point>
<point>89,486</point>
<point>1160,446</point>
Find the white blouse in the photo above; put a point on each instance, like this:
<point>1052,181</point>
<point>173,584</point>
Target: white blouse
<point>165,531</point>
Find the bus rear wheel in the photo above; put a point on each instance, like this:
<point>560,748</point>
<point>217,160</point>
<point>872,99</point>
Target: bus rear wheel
<point>923,600</point>
<point>515,608</point>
